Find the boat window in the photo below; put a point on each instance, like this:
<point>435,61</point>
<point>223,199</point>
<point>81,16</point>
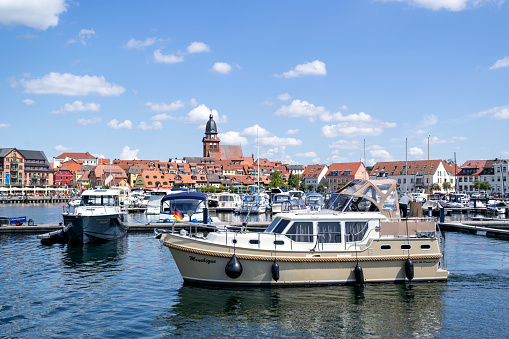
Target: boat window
<point>390,203</point>
<point>99,200</point>
<point>329,232</point>
<point>384,188</point>
<point>254,242</point>
<point>372,193</point>
<point>281,226</point>
<point>338,202</point>
<point>385,247</point>
<point>182,205</point>
<point>353,187</point>
<point>355,230</point>
<point>406,247</point>
<point>425,247</point>
<point>301,232</point>
<point>272,225</point>
<point>279,242</point>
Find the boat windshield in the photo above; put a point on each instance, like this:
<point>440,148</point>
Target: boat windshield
<point>277,226</point>
<point>281,198</point>
<point>251,198</point>
<point>99,200</point>
<point>182,205</point>
<point>348,203</point>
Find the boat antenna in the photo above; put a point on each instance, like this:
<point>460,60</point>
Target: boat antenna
<point>428,170</point>
<point>406,165</point>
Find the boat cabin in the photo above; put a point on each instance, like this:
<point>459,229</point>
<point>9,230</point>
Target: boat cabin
<point>367,196</point>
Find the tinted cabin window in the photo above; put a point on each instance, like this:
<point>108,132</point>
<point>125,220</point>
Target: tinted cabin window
<point>301,232</point>
<point>329,232</point>
<point>355,230</point>
<point>281,226</point>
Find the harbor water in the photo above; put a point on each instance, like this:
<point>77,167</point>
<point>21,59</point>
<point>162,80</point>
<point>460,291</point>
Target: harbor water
<point>131,288</point>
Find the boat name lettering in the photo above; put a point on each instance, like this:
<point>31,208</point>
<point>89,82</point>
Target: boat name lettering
<point>208,261</point>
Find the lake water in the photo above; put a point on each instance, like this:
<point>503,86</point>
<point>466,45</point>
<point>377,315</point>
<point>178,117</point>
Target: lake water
<point>132,288</point>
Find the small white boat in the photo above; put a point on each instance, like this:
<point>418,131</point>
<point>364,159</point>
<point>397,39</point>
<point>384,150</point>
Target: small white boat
<point>228,202</point>
<point>278,200</point>
<point>499,207</point>
<point>255,203</point>
<point>357,238</point>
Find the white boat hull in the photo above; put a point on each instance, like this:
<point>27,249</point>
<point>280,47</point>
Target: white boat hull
<point>205,264</point>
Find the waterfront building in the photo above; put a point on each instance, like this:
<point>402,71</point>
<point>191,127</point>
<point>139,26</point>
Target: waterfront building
<point>314,174</point>
<point>85,158</point>
<point>341,173</point>
<point>107,175</point>
<point>151,179</point>
<point>415,177</point>
<point>468,173</point>
<point>24,168</point>
<point>63,176</point>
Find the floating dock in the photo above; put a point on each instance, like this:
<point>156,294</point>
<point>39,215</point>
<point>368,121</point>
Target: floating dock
<point>497,229</point>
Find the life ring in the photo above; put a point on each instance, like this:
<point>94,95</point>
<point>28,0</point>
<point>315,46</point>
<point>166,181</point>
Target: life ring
<point>18,223</point>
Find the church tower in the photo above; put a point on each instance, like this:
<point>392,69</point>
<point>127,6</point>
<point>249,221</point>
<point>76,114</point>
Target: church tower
<point>210,140</point>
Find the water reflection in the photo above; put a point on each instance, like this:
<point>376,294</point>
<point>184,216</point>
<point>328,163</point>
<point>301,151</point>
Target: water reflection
<point>375,310</point>
<point>96,256</point>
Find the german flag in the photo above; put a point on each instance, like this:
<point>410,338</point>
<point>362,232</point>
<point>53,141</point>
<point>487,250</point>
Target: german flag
<point>177,215</point>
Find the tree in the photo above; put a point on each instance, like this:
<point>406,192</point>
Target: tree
<point>293,181</point>
<point>447,186</point>
<point>320,187</point>
<point>302,186</point>
<point>310,187</point>
<point>436,187</point>
<point>276,179</point>
<point>482,185</point>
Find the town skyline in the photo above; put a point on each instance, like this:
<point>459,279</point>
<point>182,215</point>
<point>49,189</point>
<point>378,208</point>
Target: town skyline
<point>294,83</point>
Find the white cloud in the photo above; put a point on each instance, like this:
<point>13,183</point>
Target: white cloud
<point>163,117</point>
<point>4,125</point>
<point>429,120</point>
<point>167,58</point>
<point>495,113</point>
<point>222,67</point>
<point>277,141</point>
<point>85,34</point>
<point>78,106</point>
<point>86,122</point>
<point>255,131</point>
<point>380,154</point>
<point>139,45</point>
<point>29,102</point>
<point>32,13</point>
<point>156,125</point>
<point>193,102</point>
<point>278,153</point>
<point>115,124</point>
<point>436,140</point>
<point>346,145</point>
<point>201,114</point>
<point>300,108</point>
<point>316,67</point>
<point>232,138</point>
<point>416,151</point>
<point>449,5</point>
<point>284,97</point>
<point>163,107</point>
<point>61,148</point>
<point>501,63</point>
<point>70,84</point>
<point>354,125</point>
<point>292,131</point>
<point>197,47</point>
<point>307,155</point>
<point>267,138</point>
<point>129,154</point>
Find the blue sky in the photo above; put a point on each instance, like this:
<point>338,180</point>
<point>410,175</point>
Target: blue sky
<point>314,80</point>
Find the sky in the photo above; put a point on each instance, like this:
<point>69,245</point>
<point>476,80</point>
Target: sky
<point>302,82</point>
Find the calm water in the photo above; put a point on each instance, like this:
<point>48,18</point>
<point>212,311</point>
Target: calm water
<point>131,288</point>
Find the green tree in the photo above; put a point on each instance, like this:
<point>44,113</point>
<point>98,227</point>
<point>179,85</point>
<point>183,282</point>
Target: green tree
<point>276,179</point>
<point>310,188</point>
<point>447,186</point>
<point>302,186</point>
<point>293,181</point>
<point>436,187</point>
<point>320,188</point>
